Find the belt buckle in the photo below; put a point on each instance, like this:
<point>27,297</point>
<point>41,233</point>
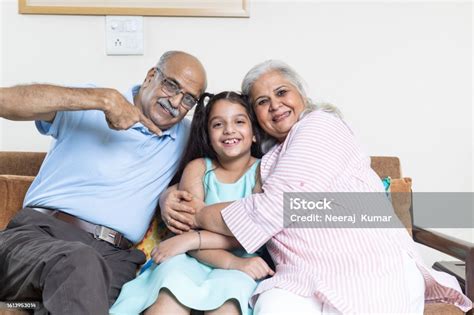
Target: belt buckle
<point>105,234</point>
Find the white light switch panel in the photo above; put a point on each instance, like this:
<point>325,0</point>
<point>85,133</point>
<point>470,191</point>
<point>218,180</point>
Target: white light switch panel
<point>124,35</point>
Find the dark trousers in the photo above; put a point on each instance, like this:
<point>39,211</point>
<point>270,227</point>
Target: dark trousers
<point>71,272</point>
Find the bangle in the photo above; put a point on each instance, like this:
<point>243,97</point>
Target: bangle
<point>199,234</point>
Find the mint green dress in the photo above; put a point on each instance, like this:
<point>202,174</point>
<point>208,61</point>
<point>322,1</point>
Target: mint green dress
<point>194,284</point>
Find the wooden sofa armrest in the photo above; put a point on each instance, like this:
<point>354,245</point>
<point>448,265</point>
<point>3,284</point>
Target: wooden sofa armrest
<point>21,163</point>
<point>447,244</point>
<point>452,246</point>
<point>12,192</point>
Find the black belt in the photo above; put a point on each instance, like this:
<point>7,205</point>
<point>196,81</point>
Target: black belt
<point>98,231</point>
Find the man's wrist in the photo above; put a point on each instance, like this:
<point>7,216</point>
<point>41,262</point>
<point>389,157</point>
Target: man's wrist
<point>104,101</point>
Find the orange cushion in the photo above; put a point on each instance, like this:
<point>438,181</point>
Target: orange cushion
<point>400,192</point>
<point>155,233</point>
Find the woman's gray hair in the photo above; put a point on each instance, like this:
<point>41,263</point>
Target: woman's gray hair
<point>276,65</point>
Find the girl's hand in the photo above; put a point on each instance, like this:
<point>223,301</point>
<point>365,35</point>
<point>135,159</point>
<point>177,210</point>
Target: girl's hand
<point>255,267</point>
<point>175,214</point>
<point>175,245</point>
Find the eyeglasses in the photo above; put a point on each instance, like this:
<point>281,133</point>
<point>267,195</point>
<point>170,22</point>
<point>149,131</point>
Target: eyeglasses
<point>171,88</point>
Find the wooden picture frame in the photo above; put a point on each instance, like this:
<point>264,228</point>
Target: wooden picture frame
<point>205,8</point>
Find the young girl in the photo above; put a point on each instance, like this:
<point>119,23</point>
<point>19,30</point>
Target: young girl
<point>221,164</point>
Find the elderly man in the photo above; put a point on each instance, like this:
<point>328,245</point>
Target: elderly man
<point>97,190</point>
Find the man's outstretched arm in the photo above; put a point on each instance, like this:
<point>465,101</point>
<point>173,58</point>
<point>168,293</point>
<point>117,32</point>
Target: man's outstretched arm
<point>42,101</point>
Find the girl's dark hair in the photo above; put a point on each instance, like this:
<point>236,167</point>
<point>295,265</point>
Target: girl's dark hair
<point>199,143</point>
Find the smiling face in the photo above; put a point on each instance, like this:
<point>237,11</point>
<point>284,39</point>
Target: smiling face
<point>230,130</point>
<point>277,103</point>
<point>187,73</point>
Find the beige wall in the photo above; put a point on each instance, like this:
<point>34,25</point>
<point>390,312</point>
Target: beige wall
<point>401,72</point>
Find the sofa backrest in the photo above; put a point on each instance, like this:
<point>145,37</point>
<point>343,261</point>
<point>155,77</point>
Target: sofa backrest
<point>20,163</point>
<point>386,166</point>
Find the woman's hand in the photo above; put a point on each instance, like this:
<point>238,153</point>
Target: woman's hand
<point>197,205</point>
<point>175,245</point>
<point>255,267</point>
<point>177,216</point>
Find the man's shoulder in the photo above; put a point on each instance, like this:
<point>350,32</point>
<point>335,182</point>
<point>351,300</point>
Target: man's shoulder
<point>183,129</point>
<point>186,123</point>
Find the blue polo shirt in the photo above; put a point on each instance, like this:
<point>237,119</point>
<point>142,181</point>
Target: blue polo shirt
<point>108,177</point>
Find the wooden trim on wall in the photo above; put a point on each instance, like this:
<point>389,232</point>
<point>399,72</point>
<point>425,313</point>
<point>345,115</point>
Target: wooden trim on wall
<point>25,8</point>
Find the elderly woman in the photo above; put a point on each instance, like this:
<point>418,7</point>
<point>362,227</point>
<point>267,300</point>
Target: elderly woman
<point>318,270</point>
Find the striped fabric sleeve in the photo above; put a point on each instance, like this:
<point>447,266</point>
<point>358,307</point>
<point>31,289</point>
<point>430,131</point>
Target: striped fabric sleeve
<point>318,150</point>
<point>249,228</point>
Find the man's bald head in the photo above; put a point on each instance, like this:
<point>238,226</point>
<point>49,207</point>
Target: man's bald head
<point>188,61</point>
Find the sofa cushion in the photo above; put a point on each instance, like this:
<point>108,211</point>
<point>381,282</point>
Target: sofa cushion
<point>441,309</point>
<point>400,194</point>
<point>155,233</point>
<point>12,192</point>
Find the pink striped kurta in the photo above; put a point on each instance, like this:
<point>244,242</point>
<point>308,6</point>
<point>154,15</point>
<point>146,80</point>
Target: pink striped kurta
<point>355,270</point>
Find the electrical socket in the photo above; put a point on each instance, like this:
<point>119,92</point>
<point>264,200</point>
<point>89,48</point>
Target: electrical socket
<point>118,42</point>
<point>124,35</point>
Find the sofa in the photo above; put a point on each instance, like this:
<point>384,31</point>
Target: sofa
<point>17,171</point>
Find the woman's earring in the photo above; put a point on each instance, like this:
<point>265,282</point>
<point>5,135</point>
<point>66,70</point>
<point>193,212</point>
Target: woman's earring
<point>254,139</point>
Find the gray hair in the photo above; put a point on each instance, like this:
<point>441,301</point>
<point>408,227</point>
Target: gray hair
<point>281,67</point>
<point>166,56</point>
